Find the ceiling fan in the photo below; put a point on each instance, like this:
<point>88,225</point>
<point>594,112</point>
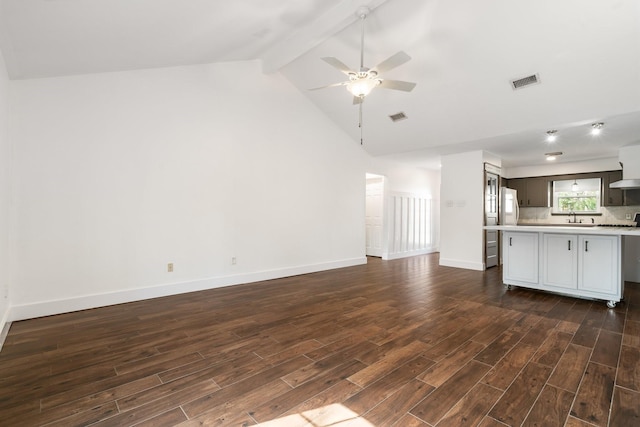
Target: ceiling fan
<point>363,81</point>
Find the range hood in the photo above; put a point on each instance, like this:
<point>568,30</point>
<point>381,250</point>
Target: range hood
<point>630,161</point>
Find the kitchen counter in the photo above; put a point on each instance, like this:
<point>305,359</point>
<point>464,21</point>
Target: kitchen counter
<point>569,229</point>
<point>580,260</point>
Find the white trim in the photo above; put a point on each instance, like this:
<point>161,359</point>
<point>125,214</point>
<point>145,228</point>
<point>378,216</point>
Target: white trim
<point>4,331</point>
<point>399,255</point>
<point>47,308</point>
<point>462,264</point>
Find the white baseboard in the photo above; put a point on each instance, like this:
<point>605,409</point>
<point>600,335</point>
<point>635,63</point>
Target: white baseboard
<point>48,308</point>
<point>407,254</point>
<point>462,264</point>
<point>5,324</point>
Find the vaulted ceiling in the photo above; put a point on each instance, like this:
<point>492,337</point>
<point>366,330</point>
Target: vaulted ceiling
<point>465,53</point>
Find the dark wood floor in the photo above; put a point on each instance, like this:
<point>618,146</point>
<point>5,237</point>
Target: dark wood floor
<point>404,342</point>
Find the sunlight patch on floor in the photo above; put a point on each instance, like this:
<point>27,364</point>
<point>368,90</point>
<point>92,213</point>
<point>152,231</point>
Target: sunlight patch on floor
<point>334,415</point>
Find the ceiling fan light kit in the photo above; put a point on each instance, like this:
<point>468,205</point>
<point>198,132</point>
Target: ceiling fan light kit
<point>362,87</point>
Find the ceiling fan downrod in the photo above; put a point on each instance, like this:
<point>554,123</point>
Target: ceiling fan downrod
<point>362,13</point>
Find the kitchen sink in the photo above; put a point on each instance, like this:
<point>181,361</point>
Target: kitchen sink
<point>566,224</point>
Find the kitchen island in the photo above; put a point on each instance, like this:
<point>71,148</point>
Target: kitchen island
<point>577,260</point>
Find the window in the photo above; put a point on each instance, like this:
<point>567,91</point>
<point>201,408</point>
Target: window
<point>576,195</point>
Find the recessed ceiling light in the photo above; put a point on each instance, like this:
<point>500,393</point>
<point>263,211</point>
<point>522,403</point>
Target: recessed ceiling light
<point>551,135</point>
<point>596,128</point>
<point>553,156</point>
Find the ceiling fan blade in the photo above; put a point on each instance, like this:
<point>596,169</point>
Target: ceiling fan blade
<point>397,85</point>
<point>334,62</point>
<point>331,85</point>
<point>392,62</point>
<point>358,100</point>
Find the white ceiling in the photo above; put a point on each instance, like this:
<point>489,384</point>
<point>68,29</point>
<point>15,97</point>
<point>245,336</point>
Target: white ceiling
<point>464,55</point>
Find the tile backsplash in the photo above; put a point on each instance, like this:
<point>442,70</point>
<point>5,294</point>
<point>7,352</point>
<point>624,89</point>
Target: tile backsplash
<point>609,215</point>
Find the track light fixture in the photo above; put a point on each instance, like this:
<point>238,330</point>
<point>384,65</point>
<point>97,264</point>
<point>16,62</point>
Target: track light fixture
<point>553,156</point>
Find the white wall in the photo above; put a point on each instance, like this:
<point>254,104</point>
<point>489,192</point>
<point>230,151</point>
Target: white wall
<point>553,168</point>
<point>5,197</point>
<point>461,210</point>
<point>118,174</point>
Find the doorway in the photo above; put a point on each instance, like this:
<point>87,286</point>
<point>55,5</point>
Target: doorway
<point>374,215</point>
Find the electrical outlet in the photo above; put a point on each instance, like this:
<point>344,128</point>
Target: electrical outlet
<point>170,267</point>
<point>233,261</point>
<point>627,216</point>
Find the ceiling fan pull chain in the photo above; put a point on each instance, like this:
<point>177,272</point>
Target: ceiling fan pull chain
<point>360,122</point>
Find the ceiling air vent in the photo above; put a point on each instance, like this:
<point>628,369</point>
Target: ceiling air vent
<point>525,81</point>
<point>398,116</point>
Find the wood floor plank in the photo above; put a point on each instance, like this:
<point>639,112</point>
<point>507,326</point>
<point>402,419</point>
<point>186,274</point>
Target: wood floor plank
<point>594,395</point>
<point>159,363</point>
<point>552,349</point>
<point>441,400</point>
<point>228,412</point>
<point>168,419</point>
<point>51,411</point>
<point>586,336</point>
<point>410,421</point>
<point>570,369</point>
<point>389,363</point>
<point>394,408</point>
<point>575,422</point>
<point>443,370</point>
<point>536,336</point>
<point>628,374</point>
<point>313,369</point>
<point>631,335</point>
<point>506,370</point>
<point>282,403</point>
<point>491,422</point>
<point>625,410</point>
<point>551,408</point>
<point>423,343</point>
<point>206,363</point>
<point>87,417</point>
<point>614,321</point>
<point>607,348</point>
<point>499,347</point>
<point>378,391</point>
<point>237,389</point>
<point>161,405</point>
<point>200,382</point>
<point>514,405</point>
<point>473,407</point>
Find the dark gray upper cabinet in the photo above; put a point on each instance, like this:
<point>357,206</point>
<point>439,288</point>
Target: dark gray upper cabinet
<point>532,192</point>
<point>612,196</point>
<point>537,192</point>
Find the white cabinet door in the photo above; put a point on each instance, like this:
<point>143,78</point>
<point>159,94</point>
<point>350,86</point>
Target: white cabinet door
<point>598,263</point>
<point>521,257</point>
<point>560,260</point>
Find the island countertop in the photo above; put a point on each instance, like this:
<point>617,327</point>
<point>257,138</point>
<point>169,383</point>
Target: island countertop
<point>569,229</point>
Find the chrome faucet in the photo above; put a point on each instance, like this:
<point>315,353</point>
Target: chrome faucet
<point>575,221</point>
